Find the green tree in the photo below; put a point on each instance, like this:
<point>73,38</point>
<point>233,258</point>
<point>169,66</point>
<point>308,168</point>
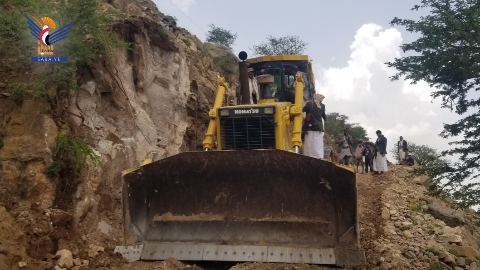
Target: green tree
<point>283,45</point>
<point>336,123</point>
<point>446,56</point>
<point>221,36</point>
<point>424,155</point>
<point>171,18</point>
<point>358,133</point>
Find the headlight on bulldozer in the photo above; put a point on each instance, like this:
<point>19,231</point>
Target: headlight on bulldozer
<point>268,110</point>
<point>224,113</point>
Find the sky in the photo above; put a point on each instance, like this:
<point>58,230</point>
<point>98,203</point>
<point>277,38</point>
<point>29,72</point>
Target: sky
<point>349,42</point>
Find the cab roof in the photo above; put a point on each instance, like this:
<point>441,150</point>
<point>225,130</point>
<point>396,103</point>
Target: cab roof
<point>270,58</point>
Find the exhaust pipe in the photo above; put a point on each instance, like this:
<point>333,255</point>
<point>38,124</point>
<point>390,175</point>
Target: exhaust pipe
<point>243,77</point>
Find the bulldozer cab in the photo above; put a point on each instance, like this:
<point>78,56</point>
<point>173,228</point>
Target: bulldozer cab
<point>251,196</point>
<point>274,72</point>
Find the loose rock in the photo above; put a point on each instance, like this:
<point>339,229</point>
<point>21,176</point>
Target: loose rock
<point>66,258</point>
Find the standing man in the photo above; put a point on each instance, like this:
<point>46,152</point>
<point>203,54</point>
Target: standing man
<point>368,152</point>
<point>307,95</point>
<point>380,159</point>
<point>402,149</point>
<point>313,127</point>
<point>252,84</point>
<point>345,143</point>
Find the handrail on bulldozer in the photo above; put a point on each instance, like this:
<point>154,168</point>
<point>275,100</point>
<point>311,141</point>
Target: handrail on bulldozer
<point>222,88</point>
<point>296,111</point>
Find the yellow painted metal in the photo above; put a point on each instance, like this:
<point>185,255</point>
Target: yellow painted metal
<point>286,136</point>
<point>269,58</point>
<point>146,161</point>
<point>350,168</point>
<point>283,130</point>
<point>128,171</point>
<point>222,88</point>
<point>266,80</point>
<point>265,101</point>
<point>296,111</point>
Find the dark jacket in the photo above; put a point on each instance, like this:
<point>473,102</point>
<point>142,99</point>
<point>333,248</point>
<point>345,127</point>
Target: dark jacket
<point>367,152</point>
<point>410,161</point>
<point>315,115</point>
<point>381,145</point>
<point>404,146</point>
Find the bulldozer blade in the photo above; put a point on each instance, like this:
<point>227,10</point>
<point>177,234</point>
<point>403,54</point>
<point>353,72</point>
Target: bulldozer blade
<point>257,205</point>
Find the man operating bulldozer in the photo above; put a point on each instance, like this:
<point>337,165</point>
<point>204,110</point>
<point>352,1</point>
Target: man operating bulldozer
<point>307,95</point>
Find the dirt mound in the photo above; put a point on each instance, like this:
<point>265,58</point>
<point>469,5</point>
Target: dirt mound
<point>169,264</point>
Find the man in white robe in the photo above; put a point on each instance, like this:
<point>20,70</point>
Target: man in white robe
<point>253,86</point>
<point>380,158</point>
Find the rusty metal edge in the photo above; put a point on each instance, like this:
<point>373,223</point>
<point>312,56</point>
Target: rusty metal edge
<point>245,253</point>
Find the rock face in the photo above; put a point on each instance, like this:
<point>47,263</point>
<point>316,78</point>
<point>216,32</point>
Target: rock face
<point>30,133</point>
<point>13,241</point>
<point>28,145</point>
<point>150,103</point>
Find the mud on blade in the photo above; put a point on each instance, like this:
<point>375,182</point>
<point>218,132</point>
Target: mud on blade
<point>249,199</point>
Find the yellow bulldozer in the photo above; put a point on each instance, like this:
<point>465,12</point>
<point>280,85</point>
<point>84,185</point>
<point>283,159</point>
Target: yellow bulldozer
<point>250,195</point>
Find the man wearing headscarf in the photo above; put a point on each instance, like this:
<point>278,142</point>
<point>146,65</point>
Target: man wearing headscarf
<point>345,143</point>
<point>313,127</point>
<point>380,159</point>
<point>253,86</point>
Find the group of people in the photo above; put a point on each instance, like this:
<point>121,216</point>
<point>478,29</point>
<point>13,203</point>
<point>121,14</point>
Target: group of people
<point>367,155</point>
<point>404,157</point>
<point>165,22</point>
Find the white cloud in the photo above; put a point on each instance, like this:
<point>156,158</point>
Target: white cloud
<point>363,91</point>
<point>175,7</point>
<point>370,50</point>
<point>420,89</point>
<point>413,130</point>
<point>184,5</point>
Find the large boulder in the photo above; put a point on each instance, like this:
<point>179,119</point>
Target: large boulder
<point>451,217</point>
<point>463,251</point>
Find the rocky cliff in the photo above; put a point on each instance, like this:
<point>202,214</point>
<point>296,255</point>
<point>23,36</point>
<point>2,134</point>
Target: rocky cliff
<point>150,102</point>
